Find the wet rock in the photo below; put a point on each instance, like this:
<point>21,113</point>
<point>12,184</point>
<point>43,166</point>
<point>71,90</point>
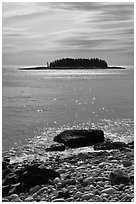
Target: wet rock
<point>110,145</point>
<point>119,176</point>
<point>80,138</point>
<point>55,147</point>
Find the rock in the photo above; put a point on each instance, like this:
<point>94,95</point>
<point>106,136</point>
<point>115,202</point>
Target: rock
<point>29,199</point>
<point>80,138</point>
<point>78,194</point>
<point>15,188</point>
<point>64,193</point>
<point>109,190</point>
<point>56,180</point>
<point>98,198</point>
<point>34,189</point>
<point>100,183</point>
<point>87,196</point>
<point>15,198</point>
<point>87,180</point>
<point>110,145</point>
<point>119,176</point>
<point>5,190</point>
<point>70,181</point>
<point>69,199</point>
<point>56,147</point>
<point>5,200</point>
<point>33,176</point>
<point>126,163</point>
<point>58,200</point>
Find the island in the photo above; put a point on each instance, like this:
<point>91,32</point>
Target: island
<point>78,63</point>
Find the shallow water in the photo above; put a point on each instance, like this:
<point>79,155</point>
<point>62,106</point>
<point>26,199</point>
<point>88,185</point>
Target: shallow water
<point>39,104</point>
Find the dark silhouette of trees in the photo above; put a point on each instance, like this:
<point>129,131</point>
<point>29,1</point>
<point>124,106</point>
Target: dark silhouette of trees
<point>93,63</point>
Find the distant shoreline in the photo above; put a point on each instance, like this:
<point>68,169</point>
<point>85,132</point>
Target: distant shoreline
<point>68,68</point>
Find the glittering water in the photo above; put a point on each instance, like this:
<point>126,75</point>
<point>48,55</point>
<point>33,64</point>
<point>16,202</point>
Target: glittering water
<point>39,104</point>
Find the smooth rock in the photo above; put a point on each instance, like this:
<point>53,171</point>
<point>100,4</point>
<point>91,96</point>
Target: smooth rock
<point>58,200</point>
<point>80,138</point>
<point>109,191</point>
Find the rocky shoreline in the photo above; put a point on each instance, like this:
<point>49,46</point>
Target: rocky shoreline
<point>84,177</point>
<point>105,175</point>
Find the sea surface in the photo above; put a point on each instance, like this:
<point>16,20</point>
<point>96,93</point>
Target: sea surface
<point>36,105</point>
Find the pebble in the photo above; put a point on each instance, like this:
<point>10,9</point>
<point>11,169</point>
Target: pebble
<point>29,199</point>
<point>69,199</point>
<point>34,189</point>
<point>58,200</point>
<point>109,190</point>
<point>5,200</point>
<point>87,180</point>
<point>56,180</point>
<point>78,194</point>
<point>87,196</point>
<point>98,198</point>
<point>100,183</point>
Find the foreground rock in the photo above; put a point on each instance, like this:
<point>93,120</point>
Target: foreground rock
<point>108,145</point>
<point>101,176</point>
<point>22,178</point>
<point>55,147</point>
<point>80,138</point>
<point>119,176</point>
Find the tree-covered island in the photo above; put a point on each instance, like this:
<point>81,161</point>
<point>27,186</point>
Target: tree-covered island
<point>78,63</point>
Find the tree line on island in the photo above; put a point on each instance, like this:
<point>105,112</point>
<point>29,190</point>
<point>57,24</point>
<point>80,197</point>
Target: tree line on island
<point>78,63</point>
<point>71,63</point>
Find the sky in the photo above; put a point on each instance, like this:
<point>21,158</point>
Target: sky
<point>34,33</point>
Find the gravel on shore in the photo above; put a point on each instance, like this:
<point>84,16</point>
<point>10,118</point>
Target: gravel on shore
<point>85,177</point>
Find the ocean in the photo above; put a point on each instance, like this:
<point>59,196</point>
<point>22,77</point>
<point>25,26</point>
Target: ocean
<point>36,105</point>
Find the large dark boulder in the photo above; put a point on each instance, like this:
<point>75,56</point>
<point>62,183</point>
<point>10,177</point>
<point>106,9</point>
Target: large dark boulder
<point>34,175</point>
<point>80,138</point>
<point>119,176</point>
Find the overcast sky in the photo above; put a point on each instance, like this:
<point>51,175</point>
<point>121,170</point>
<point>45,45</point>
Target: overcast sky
<point>34,33</point>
